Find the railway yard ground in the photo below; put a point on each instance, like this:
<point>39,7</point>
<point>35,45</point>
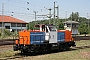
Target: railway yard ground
<point>80,52</point>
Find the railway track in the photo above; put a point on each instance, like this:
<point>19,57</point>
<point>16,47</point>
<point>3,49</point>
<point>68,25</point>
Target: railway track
<point>8,58</point>
<point>7,42</point>
<point>78,38</point>
<point>12,41</point>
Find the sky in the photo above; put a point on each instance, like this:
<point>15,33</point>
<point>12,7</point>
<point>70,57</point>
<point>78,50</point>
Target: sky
<point>24,9</point>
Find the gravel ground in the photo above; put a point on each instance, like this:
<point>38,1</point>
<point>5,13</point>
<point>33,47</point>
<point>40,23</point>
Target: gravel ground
<point>6,48</point>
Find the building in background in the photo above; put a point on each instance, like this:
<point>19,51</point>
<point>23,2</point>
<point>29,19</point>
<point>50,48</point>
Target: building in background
<point>71,26</point>
<point>11,23</point>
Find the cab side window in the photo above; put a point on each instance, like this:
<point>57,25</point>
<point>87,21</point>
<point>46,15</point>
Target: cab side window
<point>46,29</point>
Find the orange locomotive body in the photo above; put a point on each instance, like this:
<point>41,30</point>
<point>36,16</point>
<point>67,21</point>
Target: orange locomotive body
<point>68,35</point>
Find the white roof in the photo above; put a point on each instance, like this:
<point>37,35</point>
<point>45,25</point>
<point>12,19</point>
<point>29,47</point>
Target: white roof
<point>71,22</point>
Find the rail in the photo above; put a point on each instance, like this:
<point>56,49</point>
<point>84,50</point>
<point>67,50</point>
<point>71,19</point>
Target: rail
<point>7,42</point>
<point>78,38</point>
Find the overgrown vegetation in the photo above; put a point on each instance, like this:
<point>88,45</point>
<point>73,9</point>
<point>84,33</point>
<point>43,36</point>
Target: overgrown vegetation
<point>7,34</point>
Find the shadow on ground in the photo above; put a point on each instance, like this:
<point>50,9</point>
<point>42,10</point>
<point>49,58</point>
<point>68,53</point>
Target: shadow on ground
<point>20,55</point>
<point>55,51</point>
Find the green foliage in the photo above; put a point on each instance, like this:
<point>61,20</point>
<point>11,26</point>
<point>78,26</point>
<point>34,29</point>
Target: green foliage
<point>61,26</point>
<point>0,33</point>
<point>74,16</point>
<point>82,19</point>
<point>7,32</point>
<point>30,26</point>
<point>83,28</point>
<point>58,22</point>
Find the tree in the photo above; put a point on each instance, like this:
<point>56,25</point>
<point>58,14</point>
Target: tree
<point>83,28</point>
<point>74,16</point>
<point>61,26</point>
<point>30,25</point>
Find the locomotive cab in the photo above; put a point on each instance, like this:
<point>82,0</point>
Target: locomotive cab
<point>50,32</point>
<point>40,27</point>
<point>46,28</point>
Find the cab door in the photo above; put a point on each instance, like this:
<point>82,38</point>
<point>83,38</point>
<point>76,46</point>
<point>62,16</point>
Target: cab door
<point>52,33</point>
<point>53,37</point>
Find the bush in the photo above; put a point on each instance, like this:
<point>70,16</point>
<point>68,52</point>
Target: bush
<point>83,28</point>
<point>0,33</point>
<point>7,32</point>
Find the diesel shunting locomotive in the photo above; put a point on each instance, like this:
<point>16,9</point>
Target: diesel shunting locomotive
<point>43,38</point>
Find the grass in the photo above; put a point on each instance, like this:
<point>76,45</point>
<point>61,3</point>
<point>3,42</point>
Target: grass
<point>82,53</point>
<point>7,53</point>
<point>68,55</point>
<point>8,37</point>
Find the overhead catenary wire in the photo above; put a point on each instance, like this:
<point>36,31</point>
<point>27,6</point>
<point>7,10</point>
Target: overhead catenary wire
<point>17,12</point>
<point>25,3</point>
